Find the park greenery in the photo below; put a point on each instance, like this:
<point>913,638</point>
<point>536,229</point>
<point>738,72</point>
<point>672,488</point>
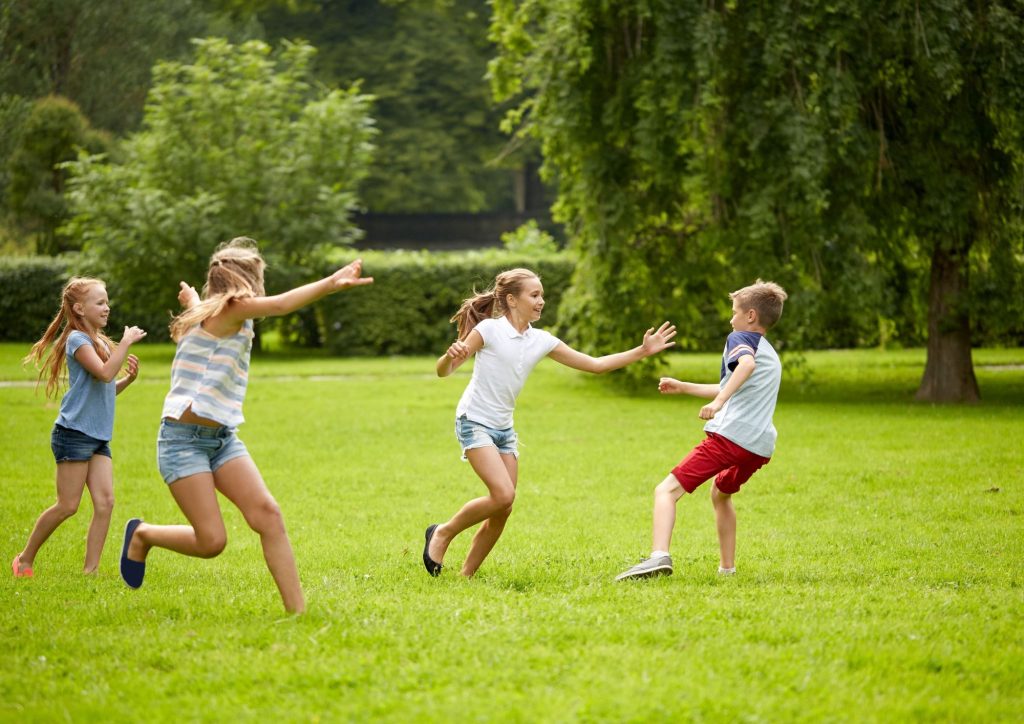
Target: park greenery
<point>868,157</point>
<point>879,561</point>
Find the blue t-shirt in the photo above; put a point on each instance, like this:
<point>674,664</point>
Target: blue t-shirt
<point>746,418</point>
<point>88,405</point>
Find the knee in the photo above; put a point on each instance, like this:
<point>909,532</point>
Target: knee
<point>266,518</point>
<point>103,505</point>
<point>718,498</point>
<point>668,487</point>
<point>65,508</point>
<point>504,498</point>
<point>210,544</point>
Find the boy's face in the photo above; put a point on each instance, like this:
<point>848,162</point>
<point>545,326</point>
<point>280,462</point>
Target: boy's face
<point>743,320</point>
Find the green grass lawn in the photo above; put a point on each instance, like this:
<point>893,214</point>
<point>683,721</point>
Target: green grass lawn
<point>880,557</point>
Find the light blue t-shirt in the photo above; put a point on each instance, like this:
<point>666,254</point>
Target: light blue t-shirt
<point>746,418</point>
<point>88,405</point>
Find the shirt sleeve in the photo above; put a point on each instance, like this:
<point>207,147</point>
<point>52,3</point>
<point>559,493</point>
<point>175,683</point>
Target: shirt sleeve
<point>486,329</point>
<point>75,340</point>
<point>740,344</point>
<point>550,341</point>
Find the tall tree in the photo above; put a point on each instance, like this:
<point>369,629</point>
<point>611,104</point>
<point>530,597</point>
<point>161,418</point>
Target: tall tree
<point>726,140</point>
<point>53,133</point>
<point>239,142</point>
<point>424,61</point>
<point>98,53</point>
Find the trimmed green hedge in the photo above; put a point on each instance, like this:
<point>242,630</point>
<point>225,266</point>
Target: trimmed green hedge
<point>405,310</point>
<point>31,295</point>
<point>414,294</point>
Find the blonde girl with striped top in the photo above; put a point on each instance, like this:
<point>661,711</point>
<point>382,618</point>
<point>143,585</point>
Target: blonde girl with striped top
<point>198,449</point>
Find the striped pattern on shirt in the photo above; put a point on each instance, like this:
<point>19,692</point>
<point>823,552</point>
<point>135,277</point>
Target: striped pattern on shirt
<point>210,374</point>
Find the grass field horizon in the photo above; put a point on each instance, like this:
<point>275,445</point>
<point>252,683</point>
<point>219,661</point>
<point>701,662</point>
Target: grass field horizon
<point>880,557</point>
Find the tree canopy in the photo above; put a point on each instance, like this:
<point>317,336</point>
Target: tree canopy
<point>841,149</point>
<point>239,142</point>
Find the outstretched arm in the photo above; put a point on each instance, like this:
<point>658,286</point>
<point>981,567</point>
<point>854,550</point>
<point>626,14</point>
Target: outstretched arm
<point>459,352</point>
<point>672,386</point>
<point>744,368</point>
<point>654,342</point>
<point>288,302</point>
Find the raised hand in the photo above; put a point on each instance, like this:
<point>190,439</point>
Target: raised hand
<point>656,341</point>
<point>670,386</point>
<point>132,364</point>
<point>349,276</point>
<point>132,334</point>
<point>188,297</point>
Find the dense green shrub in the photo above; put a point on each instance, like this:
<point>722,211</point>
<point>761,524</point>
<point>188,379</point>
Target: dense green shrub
<point>31,295</point>
<point>406,310</point>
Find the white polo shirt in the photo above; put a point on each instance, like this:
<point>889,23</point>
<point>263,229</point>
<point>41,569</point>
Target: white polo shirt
<point>500,371</point>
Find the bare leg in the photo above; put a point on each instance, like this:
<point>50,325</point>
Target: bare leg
<point>487,464</point>
<point>101,489</point>
<point>492,528</point>
<point>71,478</point>
<point>204,538</point>
<point>668,492</point>
<point>241,483</point>
<point>725,521</point>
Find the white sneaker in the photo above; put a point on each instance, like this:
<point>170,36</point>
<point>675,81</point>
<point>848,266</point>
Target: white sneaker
<point>648,568</point>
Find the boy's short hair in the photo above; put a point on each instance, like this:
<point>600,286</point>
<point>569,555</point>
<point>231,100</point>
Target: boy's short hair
<point>765,298</point>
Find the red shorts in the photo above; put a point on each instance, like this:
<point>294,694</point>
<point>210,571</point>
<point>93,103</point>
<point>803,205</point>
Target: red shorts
<point>731,464</point>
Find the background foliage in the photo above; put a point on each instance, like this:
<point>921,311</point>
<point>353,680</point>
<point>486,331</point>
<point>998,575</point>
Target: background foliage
<point>845,151</point>
<point>424,61</point>
<point>238,143</point>
<point>414,294</point>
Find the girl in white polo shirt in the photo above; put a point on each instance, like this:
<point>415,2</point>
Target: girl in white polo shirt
<point>507,348</point>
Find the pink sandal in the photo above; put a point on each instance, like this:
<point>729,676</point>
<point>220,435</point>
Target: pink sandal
<point>17,570</point>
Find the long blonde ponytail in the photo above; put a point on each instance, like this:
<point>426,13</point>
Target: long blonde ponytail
<point>236,272</point>
<point>48,353</point>
<point>492,302</point>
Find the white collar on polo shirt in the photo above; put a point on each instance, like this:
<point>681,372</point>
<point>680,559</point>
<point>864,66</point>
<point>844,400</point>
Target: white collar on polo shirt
<point>512,331</point>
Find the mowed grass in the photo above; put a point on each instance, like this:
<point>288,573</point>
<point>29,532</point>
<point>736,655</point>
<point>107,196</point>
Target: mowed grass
<point>880,556</point>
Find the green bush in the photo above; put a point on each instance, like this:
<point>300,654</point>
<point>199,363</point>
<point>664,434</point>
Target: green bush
<point>31,297</point>
<point>414,294</point>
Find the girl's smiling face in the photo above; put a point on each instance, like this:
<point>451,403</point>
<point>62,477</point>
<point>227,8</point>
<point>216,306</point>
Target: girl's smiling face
<point>529,303</point>
<point>95,307</point>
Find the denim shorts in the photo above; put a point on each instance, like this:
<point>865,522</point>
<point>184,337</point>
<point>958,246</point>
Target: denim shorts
<point>183,449</point>
<point>472,434</point>
<point>72,446</point>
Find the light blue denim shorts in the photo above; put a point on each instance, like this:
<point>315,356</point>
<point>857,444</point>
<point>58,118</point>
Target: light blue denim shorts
<point>472,434</point>
<point>183,449</point>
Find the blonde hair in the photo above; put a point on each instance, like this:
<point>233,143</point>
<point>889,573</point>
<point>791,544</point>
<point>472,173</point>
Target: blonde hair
<point>236,272</point>
<point>765,298</point>
<point>48,354</point>
<point>492,302</point>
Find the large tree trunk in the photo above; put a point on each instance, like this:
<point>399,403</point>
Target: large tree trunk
<point>949,371</point>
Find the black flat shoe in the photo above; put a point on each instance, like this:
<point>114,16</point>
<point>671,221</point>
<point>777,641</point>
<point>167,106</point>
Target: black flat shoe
<point>432,566</point>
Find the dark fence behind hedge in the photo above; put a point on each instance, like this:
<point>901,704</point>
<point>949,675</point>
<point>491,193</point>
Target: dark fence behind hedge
<point>405,311</point>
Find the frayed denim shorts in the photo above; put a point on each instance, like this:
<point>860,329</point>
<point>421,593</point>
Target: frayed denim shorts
<point>183,449</point>
<point>472,434</point>
<point>72,446</point>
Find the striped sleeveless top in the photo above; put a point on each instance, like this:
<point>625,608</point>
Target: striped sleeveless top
<point>210,373</point>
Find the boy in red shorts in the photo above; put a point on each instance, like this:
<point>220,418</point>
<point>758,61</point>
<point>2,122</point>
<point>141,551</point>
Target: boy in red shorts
<point>740,434</point>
